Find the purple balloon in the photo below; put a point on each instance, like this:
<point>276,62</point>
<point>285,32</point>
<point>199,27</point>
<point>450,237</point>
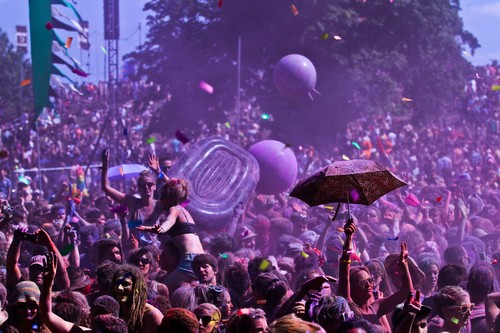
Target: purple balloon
<point>277,164</point>
<point>294,75</point>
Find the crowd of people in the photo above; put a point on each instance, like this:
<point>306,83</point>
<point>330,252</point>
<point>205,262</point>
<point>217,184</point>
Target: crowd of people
<point>84,253</point>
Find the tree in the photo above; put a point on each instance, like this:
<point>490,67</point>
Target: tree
<point>388,51</point>
<point>10,76</point>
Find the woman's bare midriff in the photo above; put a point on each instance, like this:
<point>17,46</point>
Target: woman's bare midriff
<point>188,243</point>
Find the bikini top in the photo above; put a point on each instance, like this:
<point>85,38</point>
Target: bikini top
<point>182,228</point>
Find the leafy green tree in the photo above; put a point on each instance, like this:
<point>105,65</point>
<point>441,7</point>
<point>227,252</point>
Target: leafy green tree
<point>10,76</point>
<point>387,51</point>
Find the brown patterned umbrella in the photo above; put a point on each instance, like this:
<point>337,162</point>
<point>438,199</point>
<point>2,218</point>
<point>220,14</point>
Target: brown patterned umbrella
<point>355,181</point>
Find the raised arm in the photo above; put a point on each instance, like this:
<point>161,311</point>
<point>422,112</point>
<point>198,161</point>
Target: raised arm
<point>492,307</point>
<point>116,195</point>
<point>61,278</point>
<point>173,213</point>
<point>411,308</point>
<point>387,304</point>
<point>154,165</point>
<point>322,238</point>
<point>12,267</point>
<point>344,288</point>
<point>239,211</point>
<point>53,322</point>
<point>464,213</point>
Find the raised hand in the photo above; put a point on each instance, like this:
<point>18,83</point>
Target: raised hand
<point>239,209</point>
<point>403,256</point>
<point>299,309</point>
<point>154,163</point>
<point>105,157</point>
<point>350,228</point>
<point>412,303</point>
<point>49,271</point>
<point>134,242</point>
<point>156,229</point>
<point>42,238</point>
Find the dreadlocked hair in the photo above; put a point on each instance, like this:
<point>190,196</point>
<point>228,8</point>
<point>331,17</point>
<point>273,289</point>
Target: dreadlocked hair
<point>139,294</point>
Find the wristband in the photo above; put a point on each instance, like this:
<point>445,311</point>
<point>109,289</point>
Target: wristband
<point>160,176</point>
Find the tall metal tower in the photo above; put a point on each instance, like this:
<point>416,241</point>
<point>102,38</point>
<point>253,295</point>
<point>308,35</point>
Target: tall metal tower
<point>112,35</point>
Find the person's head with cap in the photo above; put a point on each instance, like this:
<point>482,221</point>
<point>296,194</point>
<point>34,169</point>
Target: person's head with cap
<point>310,237</point>
<point>330,311</point>
<point>419,323</point>
<point>25,298</point>
<point>37,264</point>
<point>300,223</point>
<point>179,320</point>
<point>293,249</point>
<point>205,268</point>
<point>246,237</point>
<point>78,280</point>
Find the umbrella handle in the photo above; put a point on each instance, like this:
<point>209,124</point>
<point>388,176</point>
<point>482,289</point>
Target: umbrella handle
<point>336,211</point>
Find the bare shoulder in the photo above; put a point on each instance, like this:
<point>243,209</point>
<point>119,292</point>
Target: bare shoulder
<point>152,315</point>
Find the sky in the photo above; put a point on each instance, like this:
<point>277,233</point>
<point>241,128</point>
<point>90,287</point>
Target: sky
<point>481,17</point>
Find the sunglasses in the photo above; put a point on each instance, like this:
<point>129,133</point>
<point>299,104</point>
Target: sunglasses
<point>27,305</point>
<point>205,320</point>
<point>148,184</point>
<point>463,309</point>
<point>144,261</point>
<point>365,283</point>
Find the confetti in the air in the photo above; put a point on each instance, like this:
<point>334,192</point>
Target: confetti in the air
<point>495,88</point>
<point>345,158</point>
<point>355,144</point>
<point>294,9</point>
<point>68,42</point>
<point>181,137</point>
<point>337,37</point>
<point>264,265</point>
<point>206,87</point>
<point>25,82</point>
<point>405,99</point>
<point>151,140</point>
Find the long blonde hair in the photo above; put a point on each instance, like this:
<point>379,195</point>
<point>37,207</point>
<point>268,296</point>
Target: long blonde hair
<point>174,192</point>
